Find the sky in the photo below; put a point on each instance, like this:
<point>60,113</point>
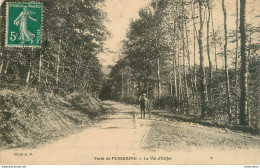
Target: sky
<point>120,12</point>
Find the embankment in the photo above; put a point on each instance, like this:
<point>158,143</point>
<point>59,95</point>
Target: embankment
<point>29,118</point>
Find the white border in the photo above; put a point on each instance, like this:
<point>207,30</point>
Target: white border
<point>7,24</point>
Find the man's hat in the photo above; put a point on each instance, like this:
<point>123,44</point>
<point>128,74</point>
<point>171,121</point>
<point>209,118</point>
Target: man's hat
<point>144,94</point>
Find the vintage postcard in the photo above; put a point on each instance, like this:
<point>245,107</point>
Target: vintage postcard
<point>129,82</point>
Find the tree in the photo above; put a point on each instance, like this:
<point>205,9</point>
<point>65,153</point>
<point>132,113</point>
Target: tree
<point>162,33</point>
<point>236,60</point>
<point>208,49</point>
<point>243,72</point>
<point>202,80</point>
<point>70,46</point>
<point>227,83</point>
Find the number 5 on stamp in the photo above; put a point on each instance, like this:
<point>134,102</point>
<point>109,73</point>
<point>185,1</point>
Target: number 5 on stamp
<point>23,24</point>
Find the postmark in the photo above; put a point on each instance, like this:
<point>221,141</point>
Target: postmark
<point>23,24</point>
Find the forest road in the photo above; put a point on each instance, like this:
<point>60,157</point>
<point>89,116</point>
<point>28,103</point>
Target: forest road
<point>115,141</point>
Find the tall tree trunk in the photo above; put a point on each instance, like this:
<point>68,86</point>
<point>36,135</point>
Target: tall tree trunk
<point>248,74</point>
<point>6,66</point>
<point>189,64</point>
<point>185,88</point>
<point>63,63</point>
<point>40,68</point>
<point>195,38</point>
<point>187,47</point>
<point>195,98</point>
<point>171,87</point>
<point>208,51</point>
<point>58,64</point>
<point>214,38</point>
<point>226,65</point>
<point>222,57</point>
<point>159,77</point>
<point>28,74</point>
<point>243,75</point>
<point>174,61</point>
<point>122,84</point>
<point>236,65</point>
<point>158,59</point>
<point>178,73</point>
<point>175,74</point>
<point>184,64</point>
<point>1,66</point>
<point>202,81</point>
<point>2,60</point>
<point>29,66</point>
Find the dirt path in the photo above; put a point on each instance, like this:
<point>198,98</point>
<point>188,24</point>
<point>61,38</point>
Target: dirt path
<point>114,141</point>
<point>112,137</point>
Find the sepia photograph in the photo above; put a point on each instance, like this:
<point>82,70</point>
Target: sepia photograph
<point>129,82</point>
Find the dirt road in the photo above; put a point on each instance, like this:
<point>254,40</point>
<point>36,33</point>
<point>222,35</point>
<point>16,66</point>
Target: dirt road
<point>114,141</point>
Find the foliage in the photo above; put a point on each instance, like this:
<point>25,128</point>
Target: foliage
<point>73,36</point>
<point>29,117</point>
<point>167,31</point>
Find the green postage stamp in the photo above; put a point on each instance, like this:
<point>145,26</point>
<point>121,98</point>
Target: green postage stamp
<point>23,24</point>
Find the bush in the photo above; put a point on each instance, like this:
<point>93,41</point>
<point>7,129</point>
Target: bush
<point>130,99</point>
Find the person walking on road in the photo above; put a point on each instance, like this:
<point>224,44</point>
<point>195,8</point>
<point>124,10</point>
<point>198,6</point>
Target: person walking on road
<point>143,101</point>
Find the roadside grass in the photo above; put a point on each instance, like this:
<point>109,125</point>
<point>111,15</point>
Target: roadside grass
<point>177,135</point>
<point>29,118</point>
<point>168,115</point>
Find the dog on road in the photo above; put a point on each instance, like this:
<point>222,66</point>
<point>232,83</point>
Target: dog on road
<point>134,119</point>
